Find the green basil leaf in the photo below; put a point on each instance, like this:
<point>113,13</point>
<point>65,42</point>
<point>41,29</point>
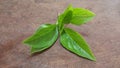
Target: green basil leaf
<point>75,43</point>
<point>65,17</point>
<point>81,16</point>
<point>43,38</point>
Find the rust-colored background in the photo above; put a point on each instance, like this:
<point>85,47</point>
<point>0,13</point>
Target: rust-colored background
<point>20,18</point>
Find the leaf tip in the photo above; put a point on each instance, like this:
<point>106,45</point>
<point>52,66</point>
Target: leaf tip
<point>24,41</point>
<point>93,58</point>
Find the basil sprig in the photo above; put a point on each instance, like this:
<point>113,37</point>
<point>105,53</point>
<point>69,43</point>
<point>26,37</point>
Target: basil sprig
<point>46,35</point>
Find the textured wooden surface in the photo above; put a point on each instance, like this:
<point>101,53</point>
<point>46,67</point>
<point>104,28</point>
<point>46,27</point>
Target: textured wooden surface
<point>20,18</point>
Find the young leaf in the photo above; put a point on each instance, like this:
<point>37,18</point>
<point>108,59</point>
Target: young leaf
<point>65,17</point>
<point>43,38</point>
<point>81,16</point>
<point>75,43</point>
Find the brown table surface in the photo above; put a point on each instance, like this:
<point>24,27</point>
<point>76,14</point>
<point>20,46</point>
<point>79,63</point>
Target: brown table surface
<point>20,18</point>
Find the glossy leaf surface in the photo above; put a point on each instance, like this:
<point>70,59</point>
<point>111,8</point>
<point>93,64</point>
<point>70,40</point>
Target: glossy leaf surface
<point>81,16</point>
<point>75,43</point>
<point>43,38</point>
